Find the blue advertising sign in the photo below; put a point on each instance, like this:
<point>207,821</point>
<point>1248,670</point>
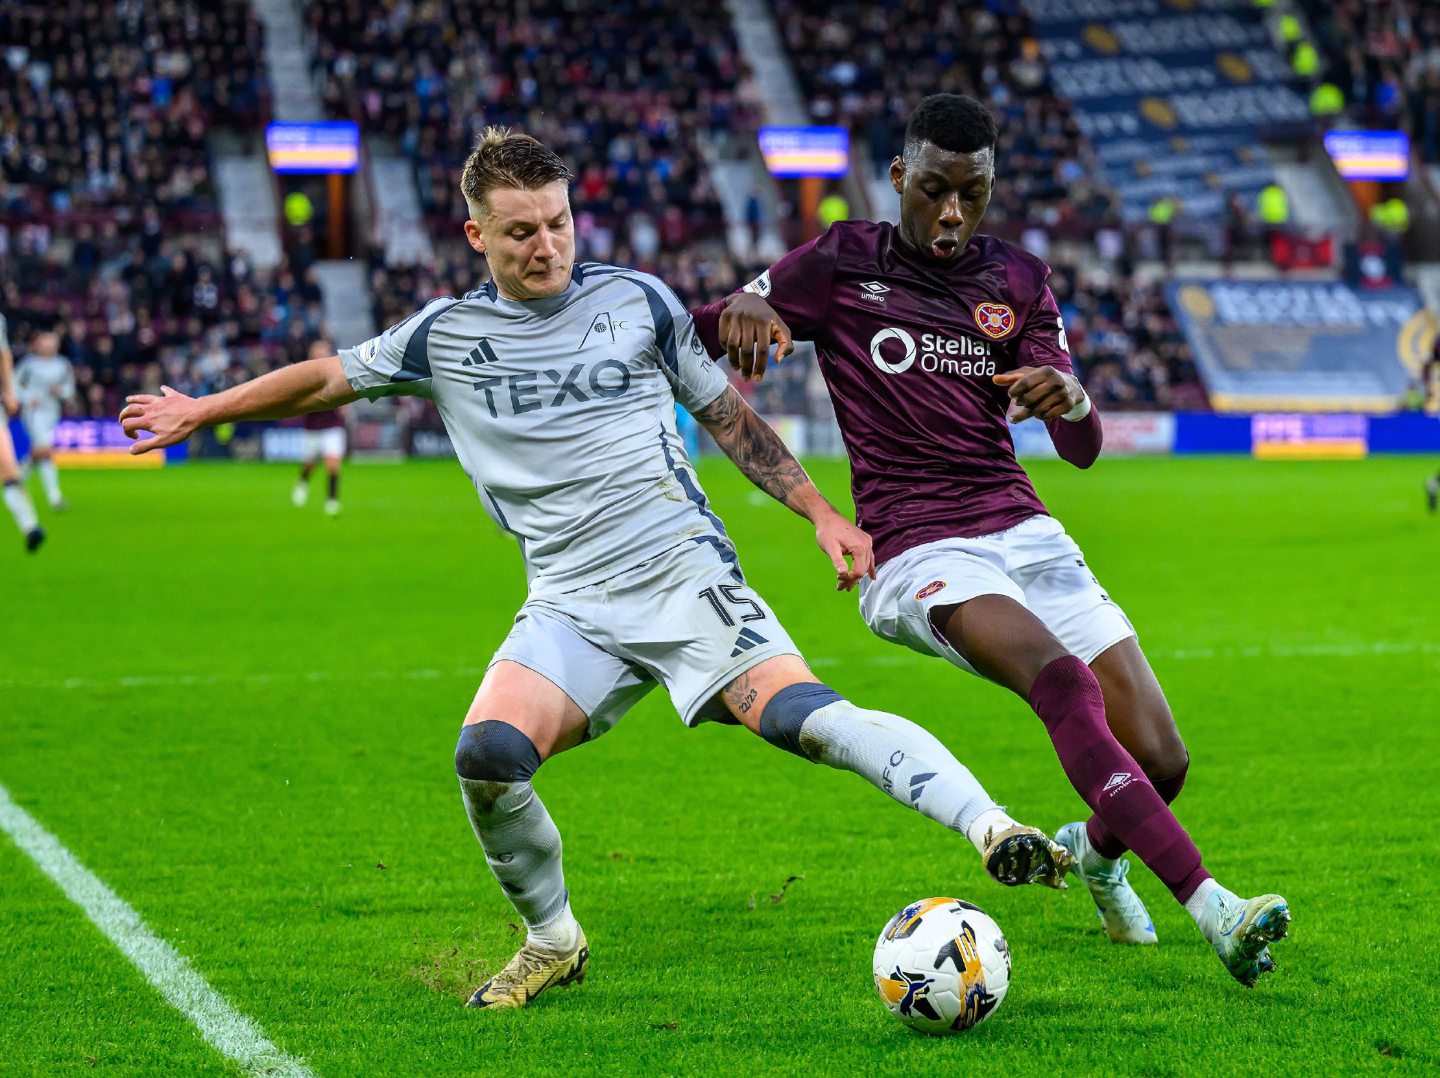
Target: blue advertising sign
<point>101,443</point>
<point>1303,346</point>
<point>1369,155</point>
<point>798,152</point>
<point>324,146</point>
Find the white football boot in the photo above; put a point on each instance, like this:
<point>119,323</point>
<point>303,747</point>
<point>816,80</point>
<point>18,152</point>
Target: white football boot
<point>1241,930</point>
<point>1121,911</point>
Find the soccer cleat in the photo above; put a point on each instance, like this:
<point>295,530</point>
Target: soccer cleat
<point>33,538</point>
<point>300,495</point>
<point>1019,855</point>
<point>59,505</point>
<point>531,972</point>
<point>1241,931</point>
<point>332,507</point>
<point>1121,911</point>
<point>1432,492</point>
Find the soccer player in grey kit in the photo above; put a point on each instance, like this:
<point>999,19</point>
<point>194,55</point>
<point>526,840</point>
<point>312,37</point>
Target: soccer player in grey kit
<point>931,339</point>
<point>557,384</point>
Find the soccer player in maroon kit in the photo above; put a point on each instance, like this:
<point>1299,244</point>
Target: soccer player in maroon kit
<point>324,438</point>
<point>932,339</point>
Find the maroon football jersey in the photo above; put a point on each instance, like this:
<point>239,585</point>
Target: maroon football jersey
<point>908,347</point>
<point>324,420</point>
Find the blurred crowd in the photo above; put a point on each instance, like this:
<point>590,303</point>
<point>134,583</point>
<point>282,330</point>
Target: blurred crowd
<point>865,65</point>
<point>104,106</point>
<point>1385,59</point>
<point>135,311</point>
<point>622,91</point>
<point>108,214</point>
<point>1127,346</point>
<point>109,230</point>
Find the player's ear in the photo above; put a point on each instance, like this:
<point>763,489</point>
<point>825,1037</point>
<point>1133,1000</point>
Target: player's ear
<point>475,236</point>
<point>897,175</point>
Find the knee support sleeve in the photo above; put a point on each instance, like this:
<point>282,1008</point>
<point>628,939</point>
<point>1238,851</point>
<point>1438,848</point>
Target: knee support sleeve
<point>787,711</point>
<point>495,751</point>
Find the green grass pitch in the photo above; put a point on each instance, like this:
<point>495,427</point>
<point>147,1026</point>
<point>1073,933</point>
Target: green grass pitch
<point>241,716</point>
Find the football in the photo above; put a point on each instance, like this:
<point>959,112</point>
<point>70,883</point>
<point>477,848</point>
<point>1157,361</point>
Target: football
<point>942,966</point>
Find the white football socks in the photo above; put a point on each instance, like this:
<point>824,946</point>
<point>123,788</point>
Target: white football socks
<point>559,934</point>
<point>903,760</point>
<point>50,480</point>
<point>522,847</point>
<point>990,822</point>
<point>1205,906</point>
<point>21,508</point>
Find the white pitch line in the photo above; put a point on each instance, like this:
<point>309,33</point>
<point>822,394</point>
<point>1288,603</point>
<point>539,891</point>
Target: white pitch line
<point>885,657</point>
<point>226,1029</point>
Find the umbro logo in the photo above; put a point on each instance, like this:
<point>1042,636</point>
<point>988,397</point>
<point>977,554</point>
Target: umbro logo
<point>874,291</point>
<point>747,639</point>
<point>1117,781</point>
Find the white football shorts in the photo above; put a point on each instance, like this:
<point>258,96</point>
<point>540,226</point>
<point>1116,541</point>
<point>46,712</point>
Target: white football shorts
<point>329,442</point>
<point>1035,563</point>
<point>686,620</point>
<point>40,424</point>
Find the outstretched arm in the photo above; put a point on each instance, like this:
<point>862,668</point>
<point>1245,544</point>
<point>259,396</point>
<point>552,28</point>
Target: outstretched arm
<point>763,458</point>
<point>312,386</point>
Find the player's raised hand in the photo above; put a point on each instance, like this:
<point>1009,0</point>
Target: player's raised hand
<point>171,418</point>
<point>748,325</point>
<point>840,539</point>
<point>1042,392</point>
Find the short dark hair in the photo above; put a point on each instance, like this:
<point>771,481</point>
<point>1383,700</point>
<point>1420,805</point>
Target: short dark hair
<point>505,158</point>
<point>952,122</point>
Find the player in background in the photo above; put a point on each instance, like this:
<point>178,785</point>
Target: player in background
<point>17,500</point>
<point>557,384</point>
<point>44,381</point>
<point>324,438</point>
<point>1430,377</point>
<point>931,339</point>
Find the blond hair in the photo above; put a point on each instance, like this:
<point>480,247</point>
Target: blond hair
<point>505,158</point>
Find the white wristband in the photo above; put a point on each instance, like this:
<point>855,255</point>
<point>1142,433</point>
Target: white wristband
<point>1079,412</point>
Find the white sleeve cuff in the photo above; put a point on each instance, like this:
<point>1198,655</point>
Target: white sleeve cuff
<point>1079,412</point>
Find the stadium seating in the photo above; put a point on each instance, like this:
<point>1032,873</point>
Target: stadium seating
<point>626,120</point>
<point>1386,60</point>
<point>111,102</point>
<point>109,219</point>
<point>865,65</point>
<point>109,226</point>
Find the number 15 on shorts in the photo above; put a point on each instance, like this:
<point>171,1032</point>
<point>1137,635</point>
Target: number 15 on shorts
<point>734,597</point>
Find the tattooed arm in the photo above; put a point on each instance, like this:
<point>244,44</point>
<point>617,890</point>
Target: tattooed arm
<point>762,457</point>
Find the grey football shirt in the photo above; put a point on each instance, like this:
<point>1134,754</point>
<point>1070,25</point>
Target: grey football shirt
<point>42,382</point>
<point>562,411</point>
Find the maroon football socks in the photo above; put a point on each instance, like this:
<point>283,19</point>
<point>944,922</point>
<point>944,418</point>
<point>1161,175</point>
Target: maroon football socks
<point>1104,841</point>
<point>1068,700</point>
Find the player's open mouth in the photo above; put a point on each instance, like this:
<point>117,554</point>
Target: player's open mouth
<point>944,247</point>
